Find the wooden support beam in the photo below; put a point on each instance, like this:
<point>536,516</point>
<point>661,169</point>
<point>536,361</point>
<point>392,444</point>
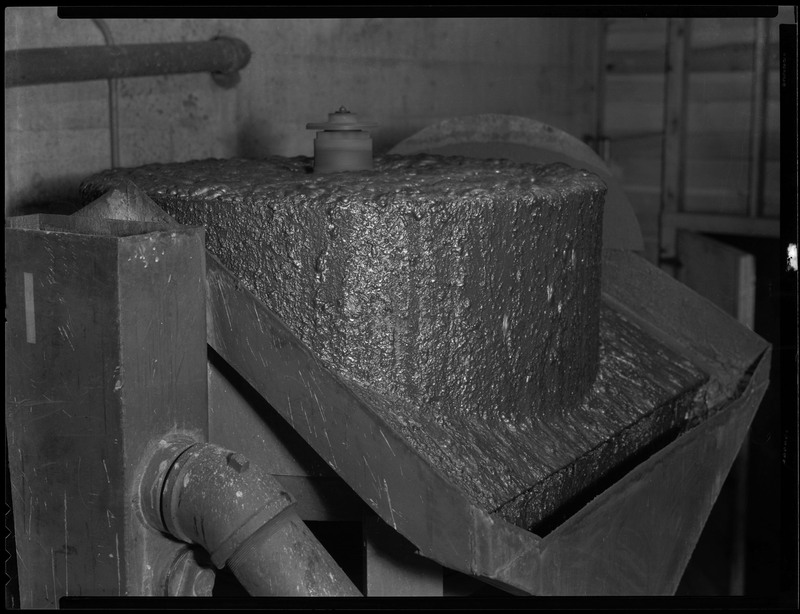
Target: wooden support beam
<point>392,567</point>
<point>758,119</point>
<point>674,144</point>
<point>105,355</point>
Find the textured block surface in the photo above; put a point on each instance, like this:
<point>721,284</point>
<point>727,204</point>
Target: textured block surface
<point>456,286</point>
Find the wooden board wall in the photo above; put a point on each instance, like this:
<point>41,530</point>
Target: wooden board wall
<point>718,122</point>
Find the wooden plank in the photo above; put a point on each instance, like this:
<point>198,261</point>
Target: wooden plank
<point>700,145</point>
<point>240,419</point>
<point>723,274</point>
<point>712,186</point>
<point>633,35</point>
<point>703,87</point>
<point>674,143</point>
<point>392,568</point>
<point>630,119</point>
<point>726,276</point>
<point>758,120</point>
<point>712,31</point>
<point>323,498</point>
<point>702,175</point>
<point>728,224</point>
<point>731,57</point>
<point>102,362</point>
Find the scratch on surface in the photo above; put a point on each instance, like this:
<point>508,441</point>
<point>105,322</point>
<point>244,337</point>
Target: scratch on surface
<point>321,411</point>
<point>300,373</point>
<point>21,560</point>
<point>66,548</point>
<point>258,318</point>
<point>291,413</point>
<point>119,575</point>
<point>387,443</point>
<point>389,499</point>
<point>65,334</point>
<point>109,516</point>
<point>374,479</point>
<point>225,305</point>
<point>330,445</point>
<point>30,515</point>
<point>108,479</point>
<point>306,416</point>
<point>53,567</point>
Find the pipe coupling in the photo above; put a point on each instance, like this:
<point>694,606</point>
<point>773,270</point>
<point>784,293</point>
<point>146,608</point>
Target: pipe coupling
<point>203,494</point>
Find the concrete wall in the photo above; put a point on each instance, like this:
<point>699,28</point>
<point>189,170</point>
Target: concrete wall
<point>403,73</point>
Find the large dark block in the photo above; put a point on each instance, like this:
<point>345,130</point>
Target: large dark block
<point>467,288</point>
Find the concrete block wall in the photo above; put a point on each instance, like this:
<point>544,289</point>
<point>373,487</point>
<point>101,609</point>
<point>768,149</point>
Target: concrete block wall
<point>403,73</point>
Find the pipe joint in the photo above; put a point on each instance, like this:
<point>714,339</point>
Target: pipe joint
<point>214,497</point>
<point>203,494</point>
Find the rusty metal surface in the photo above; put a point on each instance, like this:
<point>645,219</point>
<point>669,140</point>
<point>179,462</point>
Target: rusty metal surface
<point>465,287</point>
<point>94,342</point>
<point>420,502</point>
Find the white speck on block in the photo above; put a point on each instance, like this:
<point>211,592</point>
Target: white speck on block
<point>791,256</point>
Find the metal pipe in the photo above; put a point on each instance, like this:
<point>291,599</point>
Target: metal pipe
<point>758,118</point>
<point>113,99</point>
<point>204,494</point>
<point>222,57</point>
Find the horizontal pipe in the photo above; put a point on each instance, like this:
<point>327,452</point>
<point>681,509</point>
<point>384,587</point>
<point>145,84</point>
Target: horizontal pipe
<point>223,56</point>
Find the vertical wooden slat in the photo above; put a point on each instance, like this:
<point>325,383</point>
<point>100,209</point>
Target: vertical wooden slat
<point>726,276</point>
<point>674,146</point>
<point>758,118</point>
<point>600,91</point>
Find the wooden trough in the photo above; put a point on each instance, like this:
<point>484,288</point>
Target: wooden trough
<point>619,514</point>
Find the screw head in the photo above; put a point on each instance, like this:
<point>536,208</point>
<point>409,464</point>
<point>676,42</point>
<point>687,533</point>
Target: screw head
<point>188,578</point>
<point>203,585</point>
<point>238,462</point>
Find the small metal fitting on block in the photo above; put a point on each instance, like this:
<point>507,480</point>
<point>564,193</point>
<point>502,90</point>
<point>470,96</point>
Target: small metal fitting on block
<point>342,143</point>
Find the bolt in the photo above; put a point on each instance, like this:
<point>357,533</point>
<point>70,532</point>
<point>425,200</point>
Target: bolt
<point>238,462</point>
<point>203,585</point>
<point>188,578</point>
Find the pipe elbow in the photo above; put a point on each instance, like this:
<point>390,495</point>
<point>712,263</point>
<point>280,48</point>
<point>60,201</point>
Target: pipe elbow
<point>203,494</point>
